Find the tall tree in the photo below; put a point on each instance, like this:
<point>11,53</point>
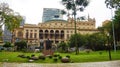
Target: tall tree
<point>80,41</point>
<point>9,18</point>
<point>108,26</point>
<point>74,6</point>
<point>113,3</point>
<point>116,22</point>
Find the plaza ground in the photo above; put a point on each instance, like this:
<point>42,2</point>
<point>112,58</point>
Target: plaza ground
<point>88,64</point>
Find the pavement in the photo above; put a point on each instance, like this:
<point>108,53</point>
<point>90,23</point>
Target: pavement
<point>88,64</point>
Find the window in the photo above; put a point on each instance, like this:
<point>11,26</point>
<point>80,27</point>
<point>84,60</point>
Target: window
<point>67,31</point>
<point>20,34</point>
<point>35,35</point>
<point>31,35</point>
<point>26,34</point>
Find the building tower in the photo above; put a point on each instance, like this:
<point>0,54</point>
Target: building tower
<point>51,14</point>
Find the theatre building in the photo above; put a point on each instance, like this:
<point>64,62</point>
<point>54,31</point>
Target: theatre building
<point>56,30</point>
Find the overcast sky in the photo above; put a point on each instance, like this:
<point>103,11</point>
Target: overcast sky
<point>33,9</point>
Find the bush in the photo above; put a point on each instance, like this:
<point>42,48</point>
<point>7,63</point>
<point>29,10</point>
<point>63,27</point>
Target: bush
<point>32,55</point>
<point>60,57</point>
<point>100,53</point>
<point>7,44</point>
<point>42,57</point>
<point>22,56</point>
<point>28,57</point>
<point>55,55</point>
<point>21,45</point>
<point>50,56</point>
<point>68,56</point>
<point>55,59</point>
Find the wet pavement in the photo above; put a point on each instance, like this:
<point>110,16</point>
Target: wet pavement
<point>89,64</point>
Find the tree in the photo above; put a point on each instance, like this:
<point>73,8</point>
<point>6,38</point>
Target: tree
<point>112,3</point>
<point>74,6</point>
<point>80,41</point>
<point>9,18</point>
<point>21,45</point>
<point>96,41</point>
<point>108,26</point>
<point>4,12</point>
<point>7,44</point>
<point>63,46</point>
<point>116,22</point>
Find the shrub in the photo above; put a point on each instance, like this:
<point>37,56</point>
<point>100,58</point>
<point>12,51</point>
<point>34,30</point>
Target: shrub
<point>21,45</point>
<point>28,57</point>
<point>7,44</point>
<point>68,56</point>
<point>32,55</point>
<point>60,57</point>
<point>55,59</point>
<point>50,56</point>
<point>42,57</point>
<point>22,56</point>
<point>100,53</point>
<point>55,55</point>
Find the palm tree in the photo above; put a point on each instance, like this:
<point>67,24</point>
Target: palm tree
<point>74,6</point>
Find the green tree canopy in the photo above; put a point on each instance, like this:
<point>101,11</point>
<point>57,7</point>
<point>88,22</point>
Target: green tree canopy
<point>112,3</point>
<point>8,17</point>
<point>74,5</point>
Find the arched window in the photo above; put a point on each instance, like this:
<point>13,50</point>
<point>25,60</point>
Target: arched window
<point>62,34</point>
<point>56,34</point>
<point>46,33</point>
<point>41,34</point>
<point>51,33</point>
<point>20,34</point>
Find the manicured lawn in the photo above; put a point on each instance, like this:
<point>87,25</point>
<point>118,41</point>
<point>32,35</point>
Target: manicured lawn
<point>81,57</point>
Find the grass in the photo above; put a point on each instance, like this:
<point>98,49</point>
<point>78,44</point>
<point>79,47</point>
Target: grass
<point>81,57</point>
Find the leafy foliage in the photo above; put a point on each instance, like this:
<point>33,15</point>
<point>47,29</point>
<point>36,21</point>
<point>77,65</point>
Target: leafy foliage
<point>80,40</point>
<point>8,17</point>
<point>74,5</point>
<point>7,44</point>
<point>21,45</point>
<point>63,47</point>
<point>116,22</point>
<point>112,3</point>
<point>96,41</point>
<point>108,27</point>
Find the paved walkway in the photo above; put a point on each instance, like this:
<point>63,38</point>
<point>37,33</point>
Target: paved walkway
<point>89,64</point>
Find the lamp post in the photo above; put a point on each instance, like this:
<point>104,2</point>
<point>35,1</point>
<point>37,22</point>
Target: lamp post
<point>109,49</point>
<point>113,32</point>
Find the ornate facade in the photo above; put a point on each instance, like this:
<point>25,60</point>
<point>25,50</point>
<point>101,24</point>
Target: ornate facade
<point>55,30</point>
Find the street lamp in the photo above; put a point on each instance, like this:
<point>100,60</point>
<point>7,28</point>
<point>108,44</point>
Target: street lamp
<point>113,31</point>
<point>109,49</point>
